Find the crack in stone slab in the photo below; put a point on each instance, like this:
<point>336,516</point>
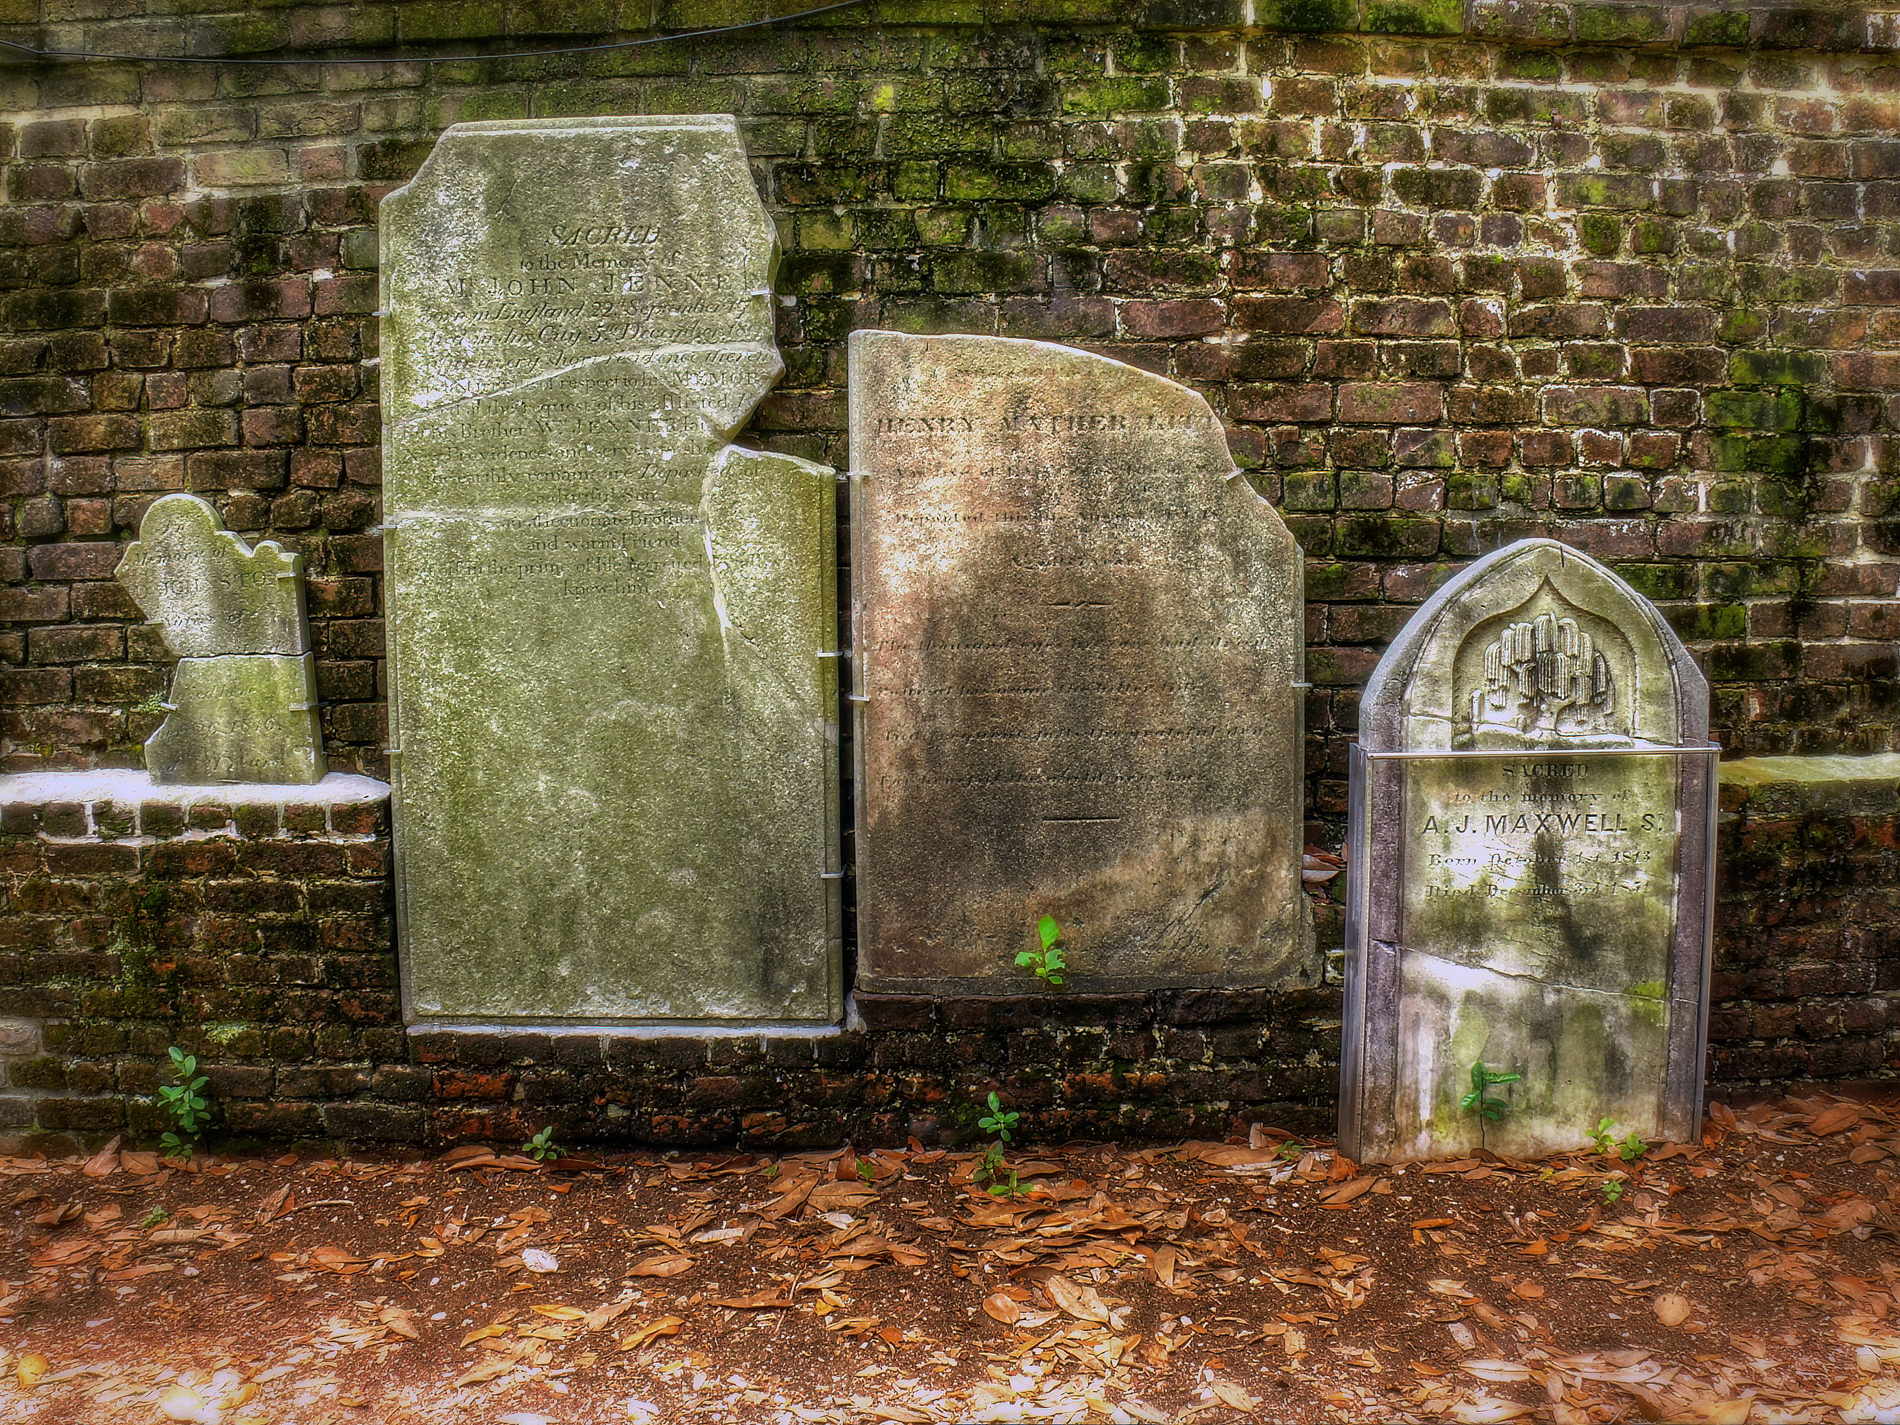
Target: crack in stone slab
<point>1411,953</point>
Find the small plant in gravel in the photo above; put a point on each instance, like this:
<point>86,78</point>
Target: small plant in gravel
<point>1046,959</point>
<point>1629,1148</point>
<point>185,1103</point>
<point>542,1147</point>
<point>992,1170</point>
<point>1613,1189</point>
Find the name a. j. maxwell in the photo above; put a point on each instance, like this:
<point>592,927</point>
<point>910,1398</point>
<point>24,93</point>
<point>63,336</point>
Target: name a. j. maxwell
<point>1564,823</point>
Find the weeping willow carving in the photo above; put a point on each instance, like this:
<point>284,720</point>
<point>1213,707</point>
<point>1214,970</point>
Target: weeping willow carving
<point>1545,678</point>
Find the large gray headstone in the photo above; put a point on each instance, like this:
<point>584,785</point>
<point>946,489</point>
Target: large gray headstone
<point>1537,902</point>
<point>1080,641</point>
<point>243,704</point>
<point>613,720</point>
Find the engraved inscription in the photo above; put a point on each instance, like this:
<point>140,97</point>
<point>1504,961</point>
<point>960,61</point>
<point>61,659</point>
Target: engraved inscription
<point>1543,850</point>
<point>1077,651</point>
<point>612,768</point>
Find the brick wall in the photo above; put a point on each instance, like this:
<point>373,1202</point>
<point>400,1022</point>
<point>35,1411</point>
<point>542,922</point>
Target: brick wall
<point>260,938</point>
<point>1628,275</point>
<point>1624,274</point>
<point>257,934</point>
<point>1807,924</point>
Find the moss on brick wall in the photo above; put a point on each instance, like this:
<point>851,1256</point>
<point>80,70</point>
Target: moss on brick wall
<point>1453,273</point>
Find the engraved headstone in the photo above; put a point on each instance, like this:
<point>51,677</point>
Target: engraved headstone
<point>1529,870</point>
<point>243,704</point>
<point>1080,643</point>
<point>612,705</point>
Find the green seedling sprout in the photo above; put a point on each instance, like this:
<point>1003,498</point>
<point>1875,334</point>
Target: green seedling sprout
<point>1479,1101</point>
<point>185,1103</point>
<point>1046,960</point>
<point>1629,1148</point>
<point>991,1170</point>
<point>1488,1109</point>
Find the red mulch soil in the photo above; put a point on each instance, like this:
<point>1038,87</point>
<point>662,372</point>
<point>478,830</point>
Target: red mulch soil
<point>1747,1278</point>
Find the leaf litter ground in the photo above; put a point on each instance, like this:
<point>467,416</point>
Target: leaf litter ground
<point>1747,1278</point>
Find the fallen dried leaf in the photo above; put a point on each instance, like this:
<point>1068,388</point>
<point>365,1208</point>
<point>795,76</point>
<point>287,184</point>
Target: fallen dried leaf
<point>487,1370</point>
<point>663,1265</point>
<point>1231,1394</point>
<point>180,1403</point>
<point>1000,1308</point>
<point>653,1330</point>
<point>1671,1308</point>
<point>335,1259</point>
<point>1496,1371</point>
<point>1835,1119</point>
<point>1486,1410</point>
<point>1078,1300</point>
<point>602,1315</point>
<point>1344,1192</point>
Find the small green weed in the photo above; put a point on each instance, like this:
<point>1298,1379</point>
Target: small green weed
<point>994,1171</point>
<point>542,1146</point>
<point>996,1174</point>
<point>866,1173</point>
<point>185,1103</point>
<point>1629,1148</point>
<point>157,1217</point>
<point>1488,1109</point>
<point>1613,1191</point>
<point>1046,960</point>
<point>1000,1121</point>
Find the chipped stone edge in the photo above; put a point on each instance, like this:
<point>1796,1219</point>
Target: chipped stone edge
<point>1309,968</point>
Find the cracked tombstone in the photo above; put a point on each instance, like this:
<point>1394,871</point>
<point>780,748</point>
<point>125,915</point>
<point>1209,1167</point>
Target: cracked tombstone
<point>612,710</point>
<point>1529,868</point>
<point>1081,651</point>
<point>243,703</point>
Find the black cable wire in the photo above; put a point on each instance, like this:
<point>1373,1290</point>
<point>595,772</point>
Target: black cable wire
<point>56,54</point>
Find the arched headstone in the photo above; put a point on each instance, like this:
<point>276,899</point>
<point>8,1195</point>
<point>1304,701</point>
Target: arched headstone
<point>1529,868</point>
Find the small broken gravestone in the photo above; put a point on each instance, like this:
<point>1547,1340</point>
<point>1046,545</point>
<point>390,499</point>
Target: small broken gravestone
<point>612,634</point>
<point>1529,863</point>
<point>243,704</point>
<point>1080,645</point>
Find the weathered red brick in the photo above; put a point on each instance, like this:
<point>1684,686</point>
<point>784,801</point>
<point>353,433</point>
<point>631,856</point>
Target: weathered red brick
<point>1371,403</point>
